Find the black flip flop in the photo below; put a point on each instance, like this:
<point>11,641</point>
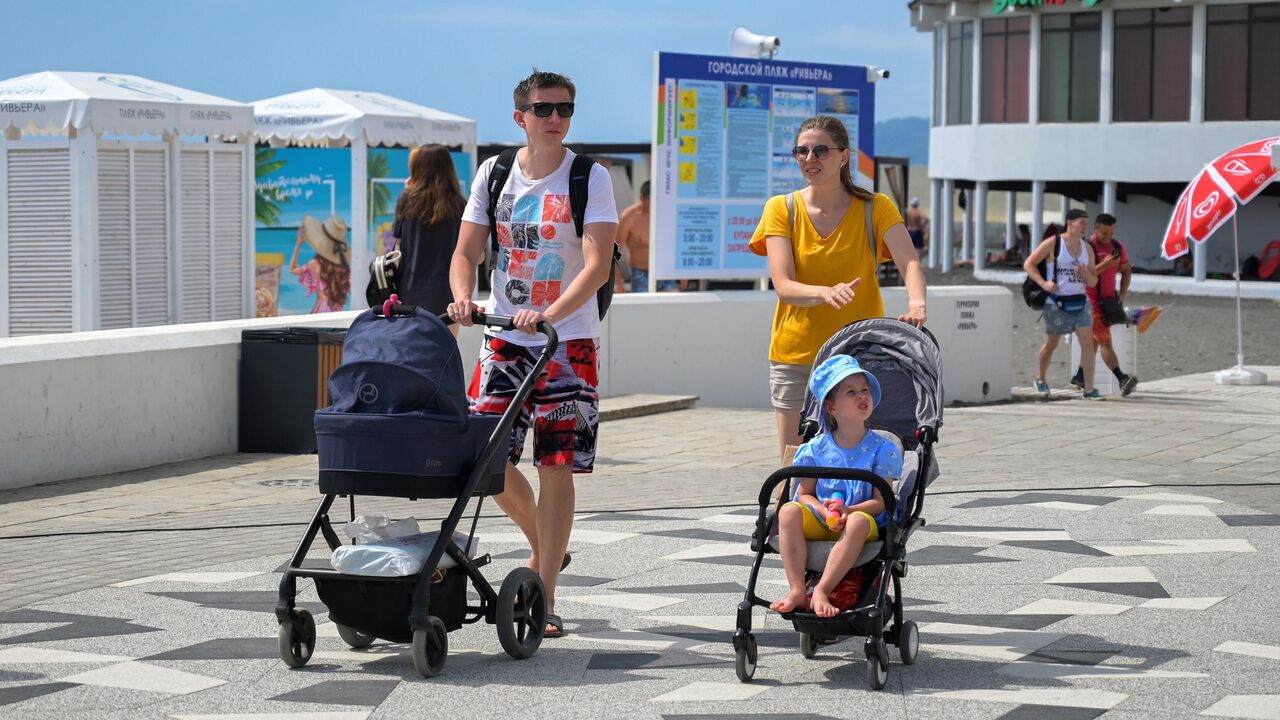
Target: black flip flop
<point>556,622</point>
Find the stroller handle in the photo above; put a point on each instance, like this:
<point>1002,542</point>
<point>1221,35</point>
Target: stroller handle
<point>506,322</point>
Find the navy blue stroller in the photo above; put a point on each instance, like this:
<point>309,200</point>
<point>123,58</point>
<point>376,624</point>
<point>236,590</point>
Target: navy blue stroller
<point>908,364</point>
<point>399,427</point>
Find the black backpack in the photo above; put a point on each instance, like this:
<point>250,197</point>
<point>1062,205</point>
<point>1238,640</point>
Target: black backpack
<point>579,175</point>
<point>384,278</point>
<point>1032,294</point>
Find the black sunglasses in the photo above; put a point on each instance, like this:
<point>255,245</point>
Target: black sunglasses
<point>543,109</point>
<point>818,151</point>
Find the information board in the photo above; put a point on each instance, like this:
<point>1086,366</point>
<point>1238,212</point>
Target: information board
<point>723,132</point>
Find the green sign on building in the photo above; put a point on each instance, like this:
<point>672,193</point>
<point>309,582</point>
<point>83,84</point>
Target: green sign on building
<point>1002,5</point>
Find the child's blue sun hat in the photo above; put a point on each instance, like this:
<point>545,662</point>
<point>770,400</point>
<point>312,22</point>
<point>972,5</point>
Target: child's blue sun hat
<point>828,375</point>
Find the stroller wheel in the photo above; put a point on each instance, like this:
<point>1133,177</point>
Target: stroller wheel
<point>297,638</point>
<point>908,642</point>
<point>877,665</point>
<point>430,648</point>
<point>808,645</point>
<point>522,613</point>
<point>745,659</point>
<point>354,638</point>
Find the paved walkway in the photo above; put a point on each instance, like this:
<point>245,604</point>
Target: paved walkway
<point>1082,560</point>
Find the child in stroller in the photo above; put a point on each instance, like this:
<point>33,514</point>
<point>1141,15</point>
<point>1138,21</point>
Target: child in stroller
<point>847,512</point>
<point>907,367</point>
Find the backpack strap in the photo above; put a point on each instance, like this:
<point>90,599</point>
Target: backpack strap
<point>579,178</point>
<point>498,175</point>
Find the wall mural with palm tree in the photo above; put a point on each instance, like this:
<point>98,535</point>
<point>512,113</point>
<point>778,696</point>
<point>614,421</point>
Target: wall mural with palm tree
<point>302,213</point>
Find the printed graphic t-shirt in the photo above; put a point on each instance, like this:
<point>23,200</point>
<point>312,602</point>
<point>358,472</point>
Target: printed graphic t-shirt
<point>874,453</point>
<point>540,253</point>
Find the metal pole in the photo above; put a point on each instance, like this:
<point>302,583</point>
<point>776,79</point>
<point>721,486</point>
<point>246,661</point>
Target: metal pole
<point>1235,234</point>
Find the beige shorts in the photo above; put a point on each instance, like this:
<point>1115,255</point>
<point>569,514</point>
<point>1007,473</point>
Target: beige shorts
<point>787,384</point>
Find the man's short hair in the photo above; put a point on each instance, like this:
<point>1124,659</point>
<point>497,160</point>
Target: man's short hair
<point>1076,214</point>
<point>1104,219</point>
<point>644,190</point>
<point>540,80</point>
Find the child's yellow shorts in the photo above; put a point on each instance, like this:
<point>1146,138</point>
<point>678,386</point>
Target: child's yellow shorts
<point>815,528</point>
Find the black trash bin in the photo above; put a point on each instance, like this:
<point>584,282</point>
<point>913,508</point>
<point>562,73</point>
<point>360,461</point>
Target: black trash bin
<point>284,376</point>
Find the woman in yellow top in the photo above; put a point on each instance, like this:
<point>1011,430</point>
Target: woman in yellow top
<point>821,263</point>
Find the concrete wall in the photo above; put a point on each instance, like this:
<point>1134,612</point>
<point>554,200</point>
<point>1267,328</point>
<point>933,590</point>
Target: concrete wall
<point>100,402</point>
<point>1125,152</point>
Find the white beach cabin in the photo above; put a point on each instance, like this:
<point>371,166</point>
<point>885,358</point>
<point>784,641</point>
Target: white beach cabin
<point>341,118</point>
<point>123,202</point>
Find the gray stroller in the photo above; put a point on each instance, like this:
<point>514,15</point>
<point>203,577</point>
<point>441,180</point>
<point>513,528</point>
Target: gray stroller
<point>908,365</point>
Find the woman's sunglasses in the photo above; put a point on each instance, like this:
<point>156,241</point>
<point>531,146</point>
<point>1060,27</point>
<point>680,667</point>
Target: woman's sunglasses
<point>543,109</point>
<point>819,151</point>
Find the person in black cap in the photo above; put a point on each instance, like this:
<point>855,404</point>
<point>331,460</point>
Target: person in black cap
<point>1070,269</point>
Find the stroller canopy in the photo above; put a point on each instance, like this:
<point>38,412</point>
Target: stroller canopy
<point>397,365</point>
<point>907,363</point>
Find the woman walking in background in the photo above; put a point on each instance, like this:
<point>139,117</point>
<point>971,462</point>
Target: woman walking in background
<point>823,264</point>
<point>428,215</point>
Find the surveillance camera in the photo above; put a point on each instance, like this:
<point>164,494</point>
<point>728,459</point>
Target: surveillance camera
<point>876,73</point>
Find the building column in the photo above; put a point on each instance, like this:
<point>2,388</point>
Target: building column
<point>1033,75</point>
<point>1199,15</point>
<point>975,86</point>
<point>935,202</point>
<point>979,205</point>
<point>1109,196</point>
<point>1105,64</point>
<point>945,219</point>
<point>1011,220</point>
<point>966,230</point>
<point>1037,212</point>
<point>1200,256</point>
<point>1066,208</point>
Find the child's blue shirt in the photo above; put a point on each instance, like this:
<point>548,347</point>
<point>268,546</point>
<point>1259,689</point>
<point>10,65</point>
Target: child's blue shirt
<point>874,453</point>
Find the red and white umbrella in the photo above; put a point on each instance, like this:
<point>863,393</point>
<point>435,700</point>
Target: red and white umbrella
<point>1212,198</point>
<point>1215,194</point>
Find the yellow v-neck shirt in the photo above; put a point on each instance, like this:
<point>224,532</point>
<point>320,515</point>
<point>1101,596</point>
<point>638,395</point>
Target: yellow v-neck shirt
<point>798,332</point>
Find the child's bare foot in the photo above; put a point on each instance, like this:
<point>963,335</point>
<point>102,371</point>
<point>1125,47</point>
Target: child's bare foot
<point>794,600</point>
<point>822,606</point>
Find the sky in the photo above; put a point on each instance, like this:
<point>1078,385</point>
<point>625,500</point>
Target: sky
<point>463,58</point>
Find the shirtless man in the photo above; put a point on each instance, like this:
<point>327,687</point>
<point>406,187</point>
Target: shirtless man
<point>917,224</point>
<point>633,235</point>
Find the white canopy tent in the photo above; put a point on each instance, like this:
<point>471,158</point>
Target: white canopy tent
<point>132,211</point>
<point>339,118</point>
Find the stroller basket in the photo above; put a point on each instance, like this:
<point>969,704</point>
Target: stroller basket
<point>405,455</point>
<point>349,599</point>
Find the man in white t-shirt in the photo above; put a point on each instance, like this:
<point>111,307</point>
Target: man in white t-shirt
<point>543,272</point>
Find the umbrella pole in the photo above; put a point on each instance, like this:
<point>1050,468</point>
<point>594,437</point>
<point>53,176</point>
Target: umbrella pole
<point>1238,375</point>
<point>1235,236</point>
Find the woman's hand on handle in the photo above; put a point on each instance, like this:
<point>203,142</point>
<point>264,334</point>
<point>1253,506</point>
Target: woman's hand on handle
<point>917,313</point>
<point>461,310</point>
<point>840,294</point>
